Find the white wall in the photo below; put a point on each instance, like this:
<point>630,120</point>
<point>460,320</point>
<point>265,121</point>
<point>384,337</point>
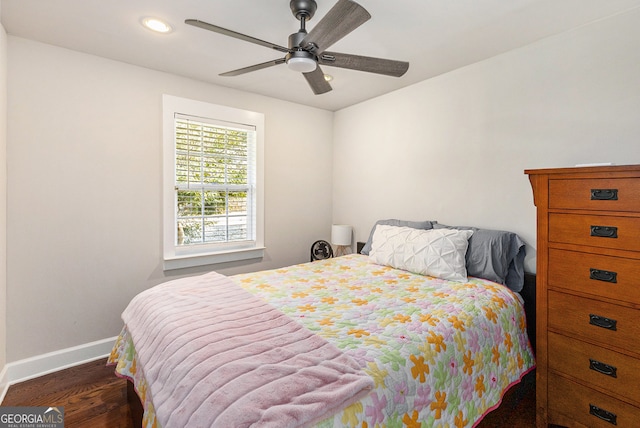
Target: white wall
<point>454,148</point>
<point>84,195</point>
<point>3,200</point>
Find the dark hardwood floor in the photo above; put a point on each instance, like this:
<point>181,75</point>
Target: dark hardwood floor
<point>518,408</point>
<point>92,396</point>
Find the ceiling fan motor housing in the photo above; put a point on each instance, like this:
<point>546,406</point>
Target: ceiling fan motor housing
<point>303,8</point>
<point>295,42</point>
<point>299,59</point>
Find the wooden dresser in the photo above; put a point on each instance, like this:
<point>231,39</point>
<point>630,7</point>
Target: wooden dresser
<point>588,296</point>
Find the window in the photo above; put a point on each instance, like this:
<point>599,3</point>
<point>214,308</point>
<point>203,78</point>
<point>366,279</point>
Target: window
<point>212,183</point>
<point>215,181</point>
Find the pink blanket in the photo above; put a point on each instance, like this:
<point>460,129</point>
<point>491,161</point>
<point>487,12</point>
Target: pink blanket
<point>215,355</point>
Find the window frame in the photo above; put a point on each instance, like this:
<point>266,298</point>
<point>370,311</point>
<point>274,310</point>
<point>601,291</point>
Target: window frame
<point>175,256</point>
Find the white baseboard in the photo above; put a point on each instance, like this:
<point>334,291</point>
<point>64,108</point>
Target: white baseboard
<point>4,383</point>
<point>40,365</point>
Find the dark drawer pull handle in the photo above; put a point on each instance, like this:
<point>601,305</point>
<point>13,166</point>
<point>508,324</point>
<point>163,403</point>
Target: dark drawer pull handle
<point>604,231</point>
<point>603,275</point>
<point>603,368</point>
<point>604,194</point>
<point>603,414</point>
<point>603,322</point>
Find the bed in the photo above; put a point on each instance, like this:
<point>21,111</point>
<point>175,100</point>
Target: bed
<point>407,345</point>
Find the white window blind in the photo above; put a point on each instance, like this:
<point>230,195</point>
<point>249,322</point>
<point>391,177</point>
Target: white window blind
<point>213,198</point>
<point>215,181</point>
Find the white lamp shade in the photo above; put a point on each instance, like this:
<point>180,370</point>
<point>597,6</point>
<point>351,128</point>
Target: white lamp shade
<point>341,234</point>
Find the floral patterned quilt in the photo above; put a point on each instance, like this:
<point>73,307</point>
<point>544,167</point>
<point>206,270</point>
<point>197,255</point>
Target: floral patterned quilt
<point>441,353</point>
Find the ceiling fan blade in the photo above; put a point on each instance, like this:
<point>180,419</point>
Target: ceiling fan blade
<point>254,67</point>
<point>387,67</point>
<point>231,33</point>
<point>344,17</point>
<point>316,80</point>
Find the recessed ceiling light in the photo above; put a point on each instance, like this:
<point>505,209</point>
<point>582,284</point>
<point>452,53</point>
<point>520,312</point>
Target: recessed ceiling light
<point>156,25</point>
<point>328,77</point>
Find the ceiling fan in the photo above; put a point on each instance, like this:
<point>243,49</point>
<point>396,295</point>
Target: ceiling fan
<point>307,51</point>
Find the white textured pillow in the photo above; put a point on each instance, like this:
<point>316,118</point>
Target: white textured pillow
<point>436,252</point>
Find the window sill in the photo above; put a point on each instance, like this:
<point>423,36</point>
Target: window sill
<point>192,260</point>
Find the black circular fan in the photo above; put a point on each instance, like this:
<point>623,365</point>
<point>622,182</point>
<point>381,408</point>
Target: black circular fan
<point>321,250</point>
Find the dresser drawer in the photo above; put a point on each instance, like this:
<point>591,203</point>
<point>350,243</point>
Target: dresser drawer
<point>612,277</point>
<point>609,194</point>
<point>612,325</point>
<point>615,372</point>
<point>598,231</point>
<point>577,403</point>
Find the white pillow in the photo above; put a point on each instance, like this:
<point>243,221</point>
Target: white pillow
<point>435,252</point>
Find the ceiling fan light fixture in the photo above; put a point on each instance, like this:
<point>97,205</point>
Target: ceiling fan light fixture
<point>302,64</point>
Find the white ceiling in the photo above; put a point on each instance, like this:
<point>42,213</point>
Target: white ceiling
<point>435,36</point>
